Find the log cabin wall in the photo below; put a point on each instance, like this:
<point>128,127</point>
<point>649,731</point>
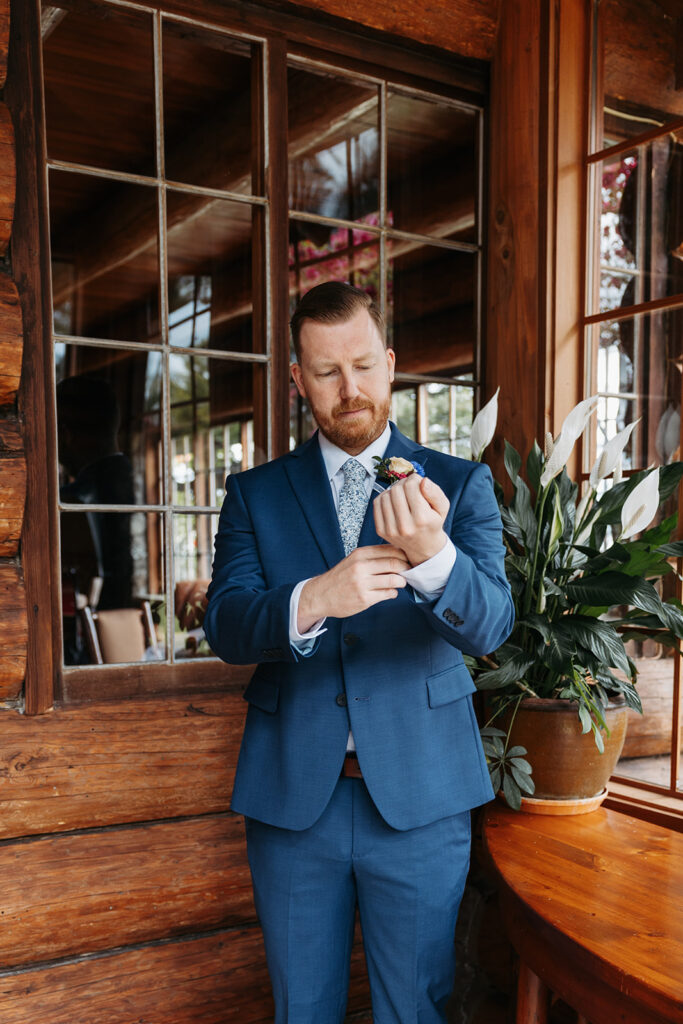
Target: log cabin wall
<point>126,886</point>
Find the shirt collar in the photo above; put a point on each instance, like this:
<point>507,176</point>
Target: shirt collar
<point>334,457</point>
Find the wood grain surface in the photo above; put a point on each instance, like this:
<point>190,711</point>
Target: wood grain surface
<point>117,762</point>
<point>594,906</point>
<point>8,177</point>
<point>11,332</point>
<point>210,980</point>
<point>115,887</point>
<point>13,632</point>
<point>4,39</point>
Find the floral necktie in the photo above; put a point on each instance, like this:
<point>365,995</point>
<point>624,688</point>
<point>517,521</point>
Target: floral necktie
<point>353,501</point>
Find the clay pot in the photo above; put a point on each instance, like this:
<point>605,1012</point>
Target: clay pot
<point>566,763</point>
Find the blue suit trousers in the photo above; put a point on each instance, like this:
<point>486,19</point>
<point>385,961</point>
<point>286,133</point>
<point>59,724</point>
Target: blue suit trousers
<point>407,886</point>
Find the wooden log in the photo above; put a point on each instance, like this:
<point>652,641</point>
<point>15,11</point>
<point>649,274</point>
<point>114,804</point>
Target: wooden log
<point>11,441</point>
<point>12,500</point>
<point>109,763</point>
<point>73,894</point>
<point>4,39</point>
<point>11,331</point>
<point>210,980</point>
<point>8,177</point>
<point>13,632</point>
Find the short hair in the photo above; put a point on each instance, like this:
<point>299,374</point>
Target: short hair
<point>334,302</point>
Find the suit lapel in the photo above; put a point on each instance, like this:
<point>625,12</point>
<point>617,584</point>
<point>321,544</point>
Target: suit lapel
<point>404,448</point>
<point>306,471</point>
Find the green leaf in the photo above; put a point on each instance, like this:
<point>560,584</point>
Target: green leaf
<point>513,462</point>
<point>599,742</point>
<point>496,776</point>
<point>511,671</point>
<point>512,793</point>
<point>520,763</point>
<point>534,466</point>
<point>516,751</point>
<point>586,720</point>
<point>490,730</point>
<point>523,780</point>
<point>524,514</point>
<point>672,550</point>
<point>600,638</point>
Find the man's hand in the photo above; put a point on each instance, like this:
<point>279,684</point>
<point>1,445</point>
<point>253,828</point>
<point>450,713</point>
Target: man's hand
<point>365,577</point>
<point>410,515</point>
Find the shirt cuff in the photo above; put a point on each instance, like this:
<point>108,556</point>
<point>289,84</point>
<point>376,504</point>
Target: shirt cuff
<point>429,578</point>
<point>302,641</point>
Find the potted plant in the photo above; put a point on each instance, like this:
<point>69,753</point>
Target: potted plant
<point>583,571</point>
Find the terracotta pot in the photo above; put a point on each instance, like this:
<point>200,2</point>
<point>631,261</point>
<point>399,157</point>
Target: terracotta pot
<point>566,763</point>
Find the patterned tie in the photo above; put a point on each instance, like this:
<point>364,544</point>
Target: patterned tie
<point>353,501</point>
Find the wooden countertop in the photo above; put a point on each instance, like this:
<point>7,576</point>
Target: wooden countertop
<point>594,907</point>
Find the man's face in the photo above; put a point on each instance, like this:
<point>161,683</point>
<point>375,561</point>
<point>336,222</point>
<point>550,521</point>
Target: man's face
<point>345,373</point>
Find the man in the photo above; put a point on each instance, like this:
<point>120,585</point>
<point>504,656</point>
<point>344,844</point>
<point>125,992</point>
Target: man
<point>361,758</point>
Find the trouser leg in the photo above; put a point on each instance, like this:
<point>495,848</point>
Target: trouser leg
<point>305,899</point>
<point>409,886</point>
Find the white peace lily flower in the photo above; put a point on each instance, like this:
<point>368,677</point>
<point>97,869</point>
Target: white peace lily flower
<point>572,429</point>
<point>606,462</point>
<point>641,506</point>
<point>484,427</point>
<point>618,474</point>
<point>668,433</point>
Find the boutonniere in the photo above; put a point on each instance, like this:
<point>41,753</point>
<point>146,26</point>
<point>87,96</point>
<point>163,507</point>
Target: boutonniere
<point>394,468</point>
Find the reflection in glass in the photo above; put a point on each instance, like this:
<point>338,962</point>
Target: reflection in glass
<point>207,109</point>
<point>431,301</point>
<point>212,427</point>
<point>319,252</point>
<point>104,244</point>
<point>404,410</point>
<point>193,556</point>
<point>99,89</point>
<point>647,750</point>
<point>438,416</point>
<point>109,425</point>
<point>638,40</point>
<point>333,145</point>
<point>112,587</point>
<point>209,271</point>
<point>431,168</point>
<point>641,228</point>
<point>636,370</point>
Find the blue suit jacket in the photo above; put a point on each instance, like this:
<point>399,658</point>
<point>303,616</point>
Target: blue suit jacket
<point>395,672</point>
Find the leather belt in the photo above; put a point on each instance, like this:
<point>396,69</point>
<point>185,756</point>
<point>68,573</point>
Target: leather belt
<point>351,768</point>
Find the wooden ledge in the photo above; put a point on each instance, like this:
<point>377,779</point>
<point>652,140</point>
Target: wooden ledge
<point>594,907</point>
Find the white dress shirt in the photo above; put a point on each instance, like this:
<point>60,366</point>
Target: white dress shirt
<point>428,579</point>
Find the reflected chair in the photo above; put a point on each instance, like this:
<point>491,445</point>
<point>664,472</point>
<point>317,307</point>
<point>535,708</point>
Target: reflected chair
<point>119,635</point>
<point>189,604</point>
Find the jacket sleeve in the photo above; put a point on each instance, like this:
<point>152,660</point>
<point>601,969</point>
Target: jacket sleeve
<point>246,622</point>
<point>475,613</point>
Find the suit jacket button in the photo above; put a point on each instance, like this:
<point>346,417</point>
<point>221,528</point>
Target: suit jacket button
<point>341,700</point>
<point>350,639</point>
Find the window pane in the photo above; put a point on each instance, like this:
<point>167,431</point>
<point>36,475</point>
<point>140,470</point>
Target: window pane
<point>641,228</point>
<point>112,587</point>
<point>212,425</point>
<point>432,168</point>
<point>431,295</point>
<point>207,109</point>
<point>192,559</point>
<point>638,43</point>
<point>105,253</point>
<point>99,89</point>
<point>210,300</point>
<point>449,418</point>
<point>647,750</point>
<point>109,425</point>
<point>333,145</point>
<point>634,367</point>
<point>319,252</point>
<point>404,410</point>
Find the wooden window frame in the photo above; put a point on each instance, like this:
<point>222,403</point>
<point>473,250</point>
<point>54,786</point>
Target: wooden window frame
<point>281,35</point>
<point>651,801</point>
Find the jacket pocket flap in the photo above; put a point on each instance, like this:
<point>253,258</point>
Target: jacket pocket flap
<point>449,685</point>
<point>263,694</point>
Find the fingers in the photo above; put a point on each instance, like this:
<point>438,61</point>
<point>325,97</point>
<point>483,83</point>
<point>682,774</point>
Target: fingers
<point>435,496</point>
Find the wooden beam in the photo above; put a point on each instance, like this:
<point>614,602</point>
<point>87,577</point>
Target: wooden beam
<point>115,887</point>
<point>12,500</point>
<point>214,979</point>
<point>8,177</point>
<point>11,340</point>
<point>4,39</point>
<point>13,632</point>
<point>116,762</point>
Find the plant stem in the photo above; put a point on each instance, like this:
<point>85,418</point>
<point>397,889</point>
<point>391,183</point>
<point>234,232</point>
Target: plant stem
<point>528,592</point>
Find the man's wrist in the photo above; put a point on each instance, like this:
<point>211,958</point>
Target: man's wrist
<point>310,611</point>
<point>417,555</point>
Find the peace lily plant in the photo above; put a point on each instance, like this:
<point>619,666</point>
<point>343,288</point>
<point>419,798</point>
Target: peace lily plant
<point>582,571</point>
